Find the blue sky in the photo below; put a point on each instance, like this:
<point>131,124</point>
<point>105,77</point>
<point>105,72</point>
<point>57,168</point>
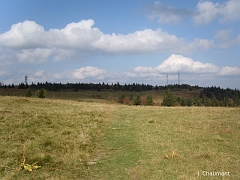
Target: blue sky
<point>137,41</point>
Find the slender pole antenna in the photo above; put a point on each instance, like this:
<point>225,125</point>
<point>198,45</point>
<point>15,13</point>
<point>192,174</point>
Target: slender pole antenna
<point>178,78</point>
<point>26,79</point>
<point>167,79</point>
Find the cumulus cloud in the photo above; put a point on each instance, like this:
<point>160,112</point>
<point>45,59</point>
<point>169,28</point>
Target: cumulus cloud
<point>33,55</point>
<point>177,63</point>
<point>189,68</point>
<point>230,11</point>
<point>89,72</point>
<point>229,71</point>
<point>192,72</point>
<point>86,74</point>
<point>28,42</point>
<point>145,41</point>
<point>24,35</point>
<point>207,11</point>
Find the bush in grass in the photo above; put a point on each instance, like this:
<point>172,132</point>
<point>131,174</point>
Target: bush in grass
<point>41,93</point>
<point>189,102</point>
<point>168,99</point>
<point>182,102</point>
<point>149,100</point>
<point>137,100</point>
<point>28,93</point>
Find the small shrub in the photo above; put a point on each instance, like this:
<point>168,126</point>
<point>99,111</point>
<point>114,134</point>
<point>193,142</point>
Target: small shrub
<point>28,93</point>
<point>41,93</point>
<point>189,102</point>
<point>183,103</point>
<point>149,100</point>
<point>168,99</point>
<point>137,100</point>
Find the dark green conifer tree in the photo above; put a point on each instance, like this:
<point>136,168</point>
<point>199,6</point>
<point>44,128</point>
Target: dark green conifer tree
<point>149,100</point>
<point>168,99</point>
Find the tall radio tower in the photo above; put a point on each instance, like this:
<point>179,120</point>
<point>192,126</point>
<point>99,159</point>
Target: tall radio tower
<point>26,79</point>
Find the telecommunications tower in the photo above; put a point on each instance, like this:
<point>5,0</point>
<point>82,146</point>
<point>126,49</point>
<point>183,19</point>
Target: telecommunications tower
<point>26,79</point>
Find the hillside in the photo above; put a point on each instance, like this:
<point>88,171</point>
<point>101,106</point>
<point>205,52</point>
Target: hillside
<point>184,94</point>
<point>90,140</point>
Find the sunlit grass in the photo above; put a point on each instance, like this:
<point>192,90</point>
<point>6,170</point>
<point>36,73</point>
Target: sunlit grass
<point>201,139</point>
<point>61,136</point>
<point>89,140</point>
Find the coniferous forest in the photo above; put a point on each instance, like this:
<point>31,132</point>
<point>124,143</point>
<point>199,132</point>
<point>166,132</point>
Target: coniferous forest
<point>208,96</point>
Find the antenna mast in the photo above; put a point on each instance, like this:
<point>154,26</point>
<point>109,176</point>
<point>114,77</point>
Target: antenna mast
<point>167,79</point>
<point>26,79</point>
<point>178,78</point>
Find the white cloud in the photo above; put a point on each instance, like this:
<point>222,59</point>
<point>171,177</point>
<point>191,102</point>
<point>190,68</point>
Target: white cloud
<point>145,41</point>
<point>224,39</point>
<point>33,55</point>
<point>165,14</point>
<point>177,63</point>
<point>39,73</point>
<point>27,34</point>
<point>89,72</point>
<point>207,11</point>
<point>28,42</point>
<point>85,74</point>
<point>190,70</point>
<point>75,35</point>
<point>201,44</point>
<point>230,11</point>
<point>223,35</point>
<point>229,71</point>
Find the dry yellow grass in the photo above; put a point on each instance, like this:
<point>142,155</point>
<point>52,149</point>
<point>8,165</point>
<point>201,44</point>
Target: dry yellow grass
<point>194,139</point>
<point>61,136</point>
<point>83,140</point>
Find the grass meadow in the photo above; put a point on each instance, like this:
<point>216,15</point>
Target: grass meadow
<point>94,139</point>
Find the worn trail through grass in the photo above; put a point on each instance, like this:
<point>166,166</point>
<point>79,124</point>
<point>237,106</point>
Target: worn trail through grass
<point>170,143</point>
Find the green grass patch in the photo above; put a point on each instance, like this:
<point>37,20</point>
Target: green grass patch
<point>194,139</point>
<point>60,136</point>
<point>89,140</point>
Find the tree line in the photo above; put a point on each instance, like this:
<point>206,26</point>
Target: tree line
<point>100,86</point>
<point>209,96</point>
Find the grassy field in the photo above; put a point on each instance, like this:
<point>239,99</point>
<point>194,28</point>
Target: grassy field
<point>61,136</point>
<point>103,96</point>
<point>97,140</point>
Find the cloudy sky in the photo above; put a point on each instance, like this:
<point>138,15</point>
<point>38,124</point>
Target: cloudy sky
<point>127,41</point>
